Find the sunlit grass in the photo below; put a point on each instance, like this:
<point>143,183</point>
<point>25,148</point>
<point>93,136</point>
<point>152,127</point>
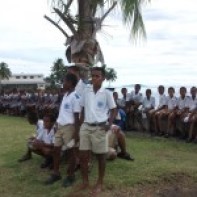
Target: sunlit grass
<point>155,158</point>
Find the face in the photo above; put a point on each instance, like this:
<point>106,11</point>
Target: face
<point>182,92</point>
<point>124,91</point>
<point>193,92</point>
<point>160,90</point>
<point>148,93</point>
<point>171,92</point>
<point>115,95</point>
<point>97,78</point>
<point>137,88</point>
<point>66,85</point>
<point>47,122</point>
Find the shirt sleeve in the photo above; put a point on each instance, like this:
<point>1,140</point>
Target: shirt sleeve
<point>40,135</point>
<point>76,104</point>
<point>110,100</point>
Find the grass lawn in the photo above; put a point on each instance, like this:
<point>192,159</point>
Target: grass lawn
<point>157,161</point>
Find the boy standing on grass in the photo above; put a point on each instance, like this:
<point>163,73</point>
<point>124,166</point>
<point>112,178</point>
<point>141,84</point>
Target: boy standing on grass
<point>96,103</point>
<point>68,130</point>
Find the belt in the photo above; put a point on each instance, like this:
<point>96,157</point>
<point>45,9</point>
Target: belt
<point>96,124</point>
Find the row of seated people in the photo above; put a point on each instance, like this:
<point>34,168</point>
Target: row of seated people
<point>173,116</point>
<point>42,142</point>
<point>16,102</point>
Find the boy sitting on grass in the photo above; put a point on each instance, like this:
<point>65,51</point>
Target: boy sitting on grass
<point>117,144</point>
<point>33,119</point>
<point>43,143</point>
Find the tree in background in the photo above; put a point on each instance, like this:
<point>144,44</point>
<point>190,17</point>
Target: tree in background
<point>83,25</point>
<point>110,74</point>
<point>5,72</point>
<point>58,71</point>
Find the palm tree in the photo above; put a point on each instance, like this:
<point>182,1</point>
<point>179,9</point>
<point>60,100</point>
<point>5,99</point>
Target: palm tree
<point>5,72</point>
<point>110,74</point>
<point>58,71</point>
<point>82,26</point>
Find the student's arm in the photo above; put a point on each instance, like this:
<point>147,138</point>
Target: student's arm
<point>82,116</point>
<point>112,116</point>
<point>48,145</point>
<point>77,126</point>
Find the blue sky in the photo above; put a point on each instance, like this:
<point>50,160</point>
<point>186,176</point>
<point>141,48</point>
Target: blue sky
<point>29,44</point>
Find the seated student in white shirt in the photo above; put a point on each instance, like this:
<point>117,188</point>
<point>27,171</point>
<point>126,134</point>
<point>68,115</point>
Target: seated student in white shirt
<point>117,144</point>
<point>133,102</point>
<point>148,104</point>
<point>182,105</point>
<point>170,108</point>
<point>33,119</point>
<point>190,115</point>
<point>43,144</point>
<point>154,114</point>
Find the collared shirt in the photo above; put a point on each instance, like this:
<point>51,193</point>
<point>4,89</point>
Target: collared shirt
<point>183,103</point>
<point>39,126</point>
<point>192,103</point>
<point>162,100</point>
<point>97,105</point>
<point>80,87</point>
<point>135,97</point>
<point>148,103</point>
<point>70,105</point>
<point>171,102</point>
<point>47,137</point>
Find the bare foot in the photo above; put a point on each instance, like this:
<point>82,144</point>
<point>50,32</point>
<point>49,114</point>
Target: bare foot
<point>97,189</point>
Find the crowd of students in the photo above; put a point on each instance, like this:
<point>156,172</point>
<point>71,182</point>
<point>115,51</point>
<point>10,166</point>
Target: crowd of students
<point>87,118</point>
<point>174,116</point>
<point>82,125</point>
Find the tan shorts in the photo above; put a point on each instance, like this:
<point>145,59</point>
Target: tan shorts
<point>112,139</point>
<point>64,135</point>
<point>93,138</point>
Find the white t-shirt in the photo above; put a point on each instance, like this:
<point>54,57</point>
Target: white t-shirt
<point>80,87</point>
<point>47,137</point>
<point>183,103</point>
<point>70,105</point>
<point>162,100</point>
<point>192,103</point>
<point>148,103</point>
<point>135,97</point>
<point>171,102</point>
<point>39,126</point>
<point>96,106</point>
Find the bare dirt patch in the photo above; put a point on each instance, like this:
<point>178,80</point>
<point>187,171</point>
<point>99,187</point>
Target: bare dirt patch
<point>174,185</point>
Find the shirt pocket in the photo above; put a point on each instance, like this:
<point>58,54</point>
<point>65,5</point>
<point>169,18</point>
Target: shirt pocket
<point>68,107</point>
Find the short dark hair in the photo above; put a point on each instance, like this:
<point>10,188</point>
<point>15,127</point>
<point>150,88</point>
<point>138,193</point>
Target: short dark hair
<point>71,78</point>
<point>51,117</point>
<point>183,88</point>
<point>161,87</point>
<point>171,88</point>
<point>148,90</point>
<point>101,69</point>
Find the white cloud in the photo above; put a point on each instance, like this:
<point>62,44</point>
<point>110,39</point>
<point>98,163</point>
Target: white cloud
<point>30,44</point>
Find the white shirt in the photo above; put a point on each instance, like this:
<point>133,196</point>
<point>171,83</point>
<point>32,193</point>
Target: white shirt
<point>162,100</point>
<point>47,137</point>
<point>70,105</point>
<point>39,126</point>
<point>80,87</point>
<point>171,102</point>
<point>135,97</point>
<point>96,106</point>
<point>183,103</point>
<point>192,103</point>
<point>147,104</point>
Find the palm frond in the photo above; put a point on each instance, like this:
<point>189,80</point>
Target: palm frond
<point>132,16</point>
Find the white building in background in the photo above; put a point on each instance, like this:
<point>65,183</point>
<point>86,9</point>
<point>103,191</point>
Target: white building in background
<point>24,81</point>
